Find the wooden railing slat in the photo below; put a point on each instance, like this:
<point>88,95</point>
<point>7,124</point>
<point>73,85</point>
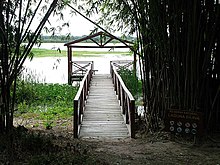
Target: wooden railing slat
<point>79,101</point>
<point>75,124</point>
<point>127,101</point>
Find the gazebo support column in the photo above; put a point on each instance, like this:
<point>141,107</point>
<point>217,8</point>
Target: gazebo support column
<point>69,51</point>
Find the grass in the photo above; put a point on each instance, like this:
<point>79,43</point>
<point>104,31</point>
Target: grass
<point>63,53</point>
<point>46,102</point>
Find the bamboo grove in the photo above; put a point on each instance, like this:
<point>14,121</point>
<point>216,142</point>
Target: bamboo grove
<point>182,57</point>
<point>16,27</point>
<point>179,47</point>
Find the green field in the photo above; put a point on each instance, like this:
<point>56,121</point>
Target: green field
<point>63,53</point>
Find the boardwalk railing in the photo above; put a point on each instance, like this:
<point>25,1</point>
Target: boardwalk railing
<point>127,101</point>
<point>79,69</point>
<point>79,100</point>
<point>123,63</point>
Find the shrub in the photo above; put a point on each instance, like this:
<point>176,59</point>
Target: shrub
<point>131,81</point>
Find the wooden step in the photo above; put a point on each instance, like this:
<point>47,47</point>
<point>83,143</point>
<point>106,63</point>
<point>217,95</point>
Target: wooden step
<point>102,115</point>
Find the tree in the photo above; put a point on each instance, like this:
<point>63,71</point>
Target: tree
<point>178,43</point>
<point>21,21</point>
<point>16,21</point>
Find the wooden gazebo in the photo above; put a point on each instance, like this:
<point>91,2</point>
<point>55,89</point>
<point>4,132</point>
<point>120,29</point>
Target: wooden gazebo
<point>101,40</point>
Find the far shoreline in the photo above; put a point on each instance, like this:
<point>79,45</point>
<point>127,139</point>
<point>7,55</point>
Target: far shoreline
<point>59,50</point>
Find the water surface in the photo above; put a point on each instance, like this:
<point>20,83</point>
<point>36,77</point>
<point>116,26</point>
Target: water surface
<point>54,69</point>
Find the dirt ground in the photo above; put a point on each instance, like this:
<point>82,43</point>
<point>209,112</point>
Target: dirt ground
<point>155,148</point>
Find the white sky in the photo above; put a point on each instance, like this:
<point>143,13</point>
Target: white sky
<point>78,25</point>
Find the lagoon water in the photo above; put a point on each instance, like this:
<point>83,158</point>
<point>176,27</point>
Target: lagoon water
<point>54,69</point>
<point>61,46</point>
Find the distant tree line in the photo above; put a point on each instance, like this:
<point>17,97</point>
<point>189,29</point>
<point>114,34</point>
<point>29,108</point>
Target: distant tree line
<point>67,38</point>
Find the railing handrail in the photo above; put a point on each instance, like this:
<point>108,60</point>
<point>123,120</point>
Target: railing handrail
<point>123,84</point>
<point>126,62</point>
<point>79,100</point>
<point>127,101</point>
<point>81,85</point>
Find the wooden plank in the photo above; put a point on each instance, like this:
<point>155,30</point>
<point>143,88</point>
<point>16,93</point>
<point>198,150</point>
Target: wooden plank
<point>104,123</point>
<point>104,129</point>
<point>102,115</point>
<point>102,112</point>
<point>101,119</point>
<point>95,110</point>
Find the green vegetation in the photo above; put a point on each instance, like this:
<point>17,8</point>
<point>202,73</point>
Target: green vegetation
<point>48,52</point>
<point>132,83</point>
<point>46,102</point>
<point>18,24</point>
<point>52,53</point>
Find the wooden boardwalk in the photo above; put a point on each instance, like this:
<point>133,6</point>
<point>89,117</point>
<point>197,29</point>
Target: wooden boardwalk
<point>102,115</point>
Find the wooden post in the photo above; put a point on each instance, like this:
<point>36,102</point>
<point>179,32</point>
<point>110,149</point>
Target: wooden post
<point>69,51</point>
<point>127,110</point>
<point>75,120</point>
<point>123,102</point>
<point>132,118</point>
<point>111,69</point>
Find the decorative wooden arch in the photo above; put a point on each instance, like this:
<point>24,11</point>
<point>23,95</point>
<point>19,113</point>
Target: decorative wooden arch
<point>101,40</point>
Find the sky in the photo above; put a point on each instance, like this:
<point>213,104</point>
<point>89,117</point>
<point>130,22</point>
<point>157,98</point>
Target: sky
<point>78,25</point>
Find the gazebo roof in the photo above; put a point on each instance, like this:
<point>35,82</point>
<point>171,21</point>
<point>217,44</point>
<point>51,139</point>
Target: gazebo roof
<point>103,40</point>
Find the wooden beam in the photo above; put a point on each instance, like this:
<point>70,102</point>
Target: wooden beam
<point>101,46</point>
<point>69,54</point>
<point>108,41</point>
<point>83,39</point>
<point>94,41</point>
